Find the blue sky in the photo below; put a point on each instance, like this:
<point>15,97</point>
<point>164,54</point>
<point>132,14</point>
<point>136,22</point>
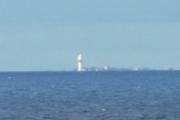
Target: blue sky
<point>48,34</point>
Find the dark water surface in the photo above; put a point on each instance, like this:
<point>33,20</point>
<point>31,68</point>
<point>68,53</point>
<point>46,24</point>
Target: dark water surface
<point>151,95</point>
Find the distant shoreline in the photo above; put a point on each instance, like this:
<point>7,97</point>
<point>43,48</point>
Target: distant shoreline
<point>90,71</point>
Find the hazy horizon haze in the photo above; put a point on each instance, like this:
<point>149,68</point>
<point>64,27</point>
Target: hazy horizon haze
<point>40,35</point>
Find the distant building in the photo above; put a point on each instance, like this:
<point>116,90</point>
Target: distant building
<point>79,63</point>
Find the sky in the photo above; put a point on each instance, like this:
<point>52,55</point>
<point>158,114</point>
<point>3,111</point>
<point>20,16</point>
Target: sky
<point>41,35</point>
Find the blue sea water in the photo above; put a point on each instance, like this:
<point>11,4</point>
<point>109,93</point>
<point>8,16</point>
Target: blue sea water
<point>140,95</point>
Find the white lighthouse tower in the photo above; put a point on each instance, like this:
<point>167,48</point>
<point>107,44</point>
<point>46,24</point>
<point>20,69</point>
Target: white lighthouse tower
<point>79,63</point>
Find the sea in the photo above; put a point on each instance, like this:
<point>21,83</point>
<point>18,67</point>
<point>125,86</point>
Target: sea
<point>111,95</point>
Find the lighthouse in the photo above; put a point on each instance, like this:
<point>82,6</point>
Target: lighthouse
<point>79,63</point>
